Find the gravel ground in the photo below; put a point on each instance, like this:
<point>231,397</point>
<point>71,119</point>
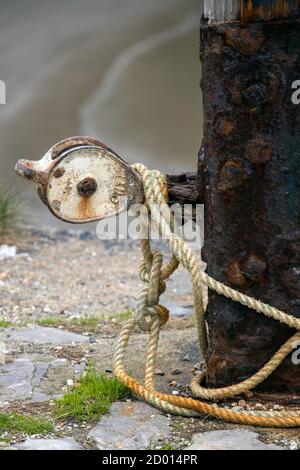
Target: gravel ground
<point>68,276</point>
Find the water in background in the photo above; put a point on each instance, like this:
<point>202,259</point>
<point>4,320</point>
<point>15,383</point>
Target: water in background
<point>124,71</point>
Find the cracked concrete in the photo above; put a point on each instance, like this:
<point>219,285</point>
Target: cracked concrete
<point>32,379</point>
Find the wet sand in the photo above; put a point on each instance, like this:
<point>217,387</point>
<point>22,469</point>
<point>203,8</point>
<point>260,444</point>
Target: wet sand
<point>54,59</point>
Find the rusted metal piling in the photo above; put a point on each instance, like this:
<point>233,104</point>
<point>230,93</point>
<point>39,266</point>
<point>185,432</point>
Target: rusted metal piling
<point>249,169</point>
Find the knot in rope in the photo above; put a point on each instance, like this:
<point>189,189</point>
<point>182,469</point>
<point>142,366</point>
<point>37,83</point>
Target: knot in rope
<point>150,316</point>
<point>148,307</point>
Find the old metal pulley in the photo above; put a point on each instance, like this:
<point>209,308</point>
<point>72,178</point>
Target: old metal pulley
<point>82,180</point>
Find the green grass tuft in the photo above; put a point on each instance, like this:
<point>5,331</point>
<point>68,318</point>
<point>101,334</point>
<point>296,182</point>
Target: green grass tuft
<point>167,446</point>
<point>5,324</point>
<point>126,315</point>
<point>87,323</point>
<point>90,323</point>
<point>91,398</point>
<point>9,208</point>
<point>16,423</point>
<point>50,321</point>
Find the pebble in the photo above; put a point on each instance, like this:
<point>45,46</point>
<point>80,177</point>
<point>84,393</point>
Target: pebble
<point>278,407</point>
<point>241,403</point>
<point>70,383</point>
<point>294,445</point>
<point>259,406</point>
<point>186,358</point>
<point>249,394</point>
<point>159,372</point>
<point>176,372</point>
<point>236,408</point>
<point>173,383</point>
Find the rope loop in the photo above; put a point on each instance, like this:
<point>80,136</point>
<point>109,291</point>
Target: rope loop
<point>151,316</point>
<point>151,274</point>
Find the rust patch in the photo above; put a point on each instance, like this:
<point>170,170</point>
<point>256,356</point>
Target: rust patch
<point>59,172</point>
<point>252,12</point>
<point>255,10</point>
<point>254,268</point>
<point>224,127</point>
<point>235,275</point>
<point>216,363</point>
<point>85,209</point>
<point>232,175</point>
<point>259,151</point>
<point>244,271</point>
<point>56,205</point>
<point>245,40</point>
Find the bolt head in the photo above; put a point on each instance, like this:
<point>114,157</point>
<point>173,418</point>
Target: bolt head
<point>87,187</point>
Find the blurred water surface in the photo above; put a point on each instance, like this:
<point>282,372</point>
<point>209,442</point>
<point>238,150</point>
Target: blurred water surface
<point>124,71</point>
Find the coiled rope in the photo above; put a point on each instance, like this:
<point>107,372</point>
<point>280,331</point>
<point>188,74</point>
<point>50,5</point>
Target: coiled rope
<point>150,316</point>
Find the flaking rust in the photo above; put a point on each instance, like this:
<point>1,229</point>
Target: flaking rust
<point>259,10</point>
<point>249,169</point>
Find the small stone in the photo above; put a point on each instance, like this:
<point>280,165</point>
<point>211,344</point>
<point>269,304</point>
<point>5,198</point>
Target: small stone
<point>241,403</point>
<point>294,446</point>
<point>186,358</point>
<point>175,392</point>
<point>278,407</point>
<point>70,383</point>
<point>236,408</point>
<point>176,372</point>
<point>249,394</point>
<point>259,406</point>
<point>108,370</point>
<point>173,383</point>
<point>159,372</point>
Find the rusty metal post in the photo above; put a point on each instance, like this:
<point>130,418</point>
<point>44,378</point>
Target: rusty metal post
<point>249,169</point>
